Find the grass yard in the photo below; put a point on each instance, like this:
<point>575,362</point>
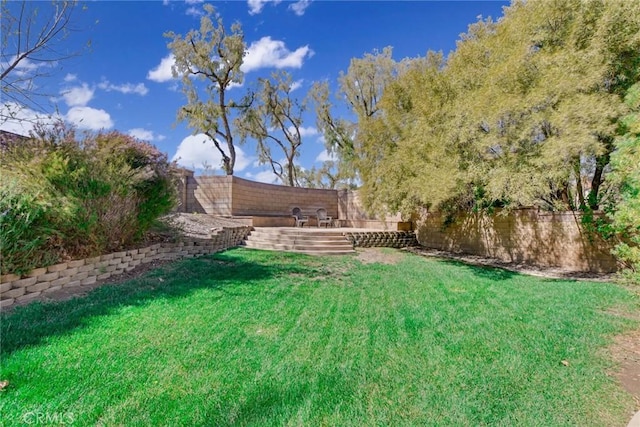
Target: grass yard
<point>261,338</point>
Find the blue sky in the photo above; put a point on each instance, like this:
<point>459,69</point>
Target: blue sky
<point>123,81</point>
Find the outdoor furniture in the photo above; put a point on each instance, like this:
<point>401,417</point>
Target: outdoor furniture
<point>300,219</point>
<point>323,218</point>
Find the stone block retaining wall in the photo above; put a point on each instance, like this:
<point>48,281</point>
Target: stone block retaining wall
<point>39,282</point>
<point>381,239</point>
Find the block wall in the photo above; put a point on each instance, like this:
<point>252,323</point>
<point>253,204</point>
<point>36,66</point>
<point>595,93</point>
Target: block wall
<point>256,198</point>
<point>528,236</point>
<point>233,196</point>
<point>40,282</point>
<point>208,194</point>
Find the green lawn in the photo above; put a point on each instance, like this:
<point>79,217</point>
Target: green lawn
<point>261,338</point>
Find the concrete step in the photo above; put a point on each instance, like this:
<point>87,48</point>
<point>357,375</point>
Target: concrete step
<point>294,245</point>
<point>319,242</point>
<point>315,251</point>
<point>285,238</point>
<point>301,232</point>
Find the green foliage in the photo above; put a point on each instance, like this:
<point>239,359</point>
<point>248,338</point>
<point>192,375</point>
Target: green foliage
<point>208,63</point>
<point>625,174</point>
<point>362,88</point>
<point>66,197</point>
<point>526,109</point>
<point>23,228</point>
<point>275,120</point>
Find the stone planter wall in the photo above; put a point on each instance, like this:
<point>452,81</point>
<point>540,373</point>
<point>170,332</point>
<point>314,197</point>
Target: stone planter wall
<point>16,289</point>
<point>382,239</point>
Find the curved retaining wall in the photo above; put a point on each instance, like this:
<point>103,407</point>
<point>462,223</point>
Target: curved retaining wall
<point>39,282</point>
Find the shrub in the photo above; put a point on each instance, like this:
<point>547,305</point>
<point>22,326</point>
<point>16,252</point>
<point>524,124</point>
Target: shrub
<point>94,195</point>
<point>23,228</point>
<point>625,162</point>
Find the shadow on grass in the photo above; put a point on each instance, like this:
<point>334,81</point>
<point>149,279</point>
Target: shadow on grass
<point>499,274</point>
<point>274,398</point>
<point>482,271</point>
<point>223,272</point>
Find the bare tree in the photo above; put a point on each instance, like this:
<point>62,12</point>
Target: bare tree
<point>32,45</point>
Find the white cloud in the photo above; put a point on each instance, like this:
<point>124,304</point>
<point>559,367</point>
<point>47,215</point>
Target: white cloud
<point>145,134</point>
<point>198,151</point>
<point>296,85</point>
<point>78,96</point>
<point>256,6</point>
<point>304,131</point>
<point>194,11</point>
<point>70,77</point>
<point>125,88</point>
<point>273,53</point>
<point>309,131</point>
<point>89,118</point>
<point>193,1</point>
<point>324,156</point>
<point>162,73</point>
<point>17,119</point>
<point>300,7</point>
<point>267,177</point>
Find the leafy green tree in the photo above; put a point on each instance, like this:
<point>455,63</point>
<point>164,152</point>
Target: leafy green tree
<point>524,112</point>
<point>275,118</point>
<point>327,176</point>
<point>361,89</point>
<point>208,62</point>
<point>625,175</point>
<point>338,132</point>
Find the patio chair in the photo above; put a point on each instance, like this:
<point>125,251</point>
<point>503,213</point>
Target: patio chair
<point>300,219</point>
<point>323,218</point>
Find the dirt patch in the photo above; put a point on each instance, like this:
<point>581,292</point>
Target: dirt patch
<point>379,255</point>
<point>198,225</point>
<point>626,352</point>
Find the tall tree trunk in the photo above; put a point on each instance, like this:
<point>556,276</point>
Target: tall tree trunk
<point>563,194</point>
<point>598,178</point>
<point>579,189</point>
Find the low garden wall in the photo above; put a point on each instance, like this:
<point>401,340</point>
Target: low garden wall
<point>527,236</point>
<point>381,239</point>
<point>39,282</point>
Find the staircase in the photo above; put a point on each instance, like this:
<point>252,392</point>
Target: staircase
<point>311,241</point>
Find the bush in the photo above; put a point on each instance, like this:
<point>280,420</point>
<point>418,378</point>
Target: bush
<point>625,174</point>
<point>98,194</point>
<point>23,228</point>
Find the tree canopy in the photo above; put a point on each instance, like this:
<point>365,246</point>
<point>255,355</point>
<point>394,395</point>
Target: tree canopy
<point>208,63</point>
<point>275,118</point>
<point>524,112</point>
